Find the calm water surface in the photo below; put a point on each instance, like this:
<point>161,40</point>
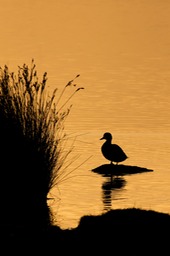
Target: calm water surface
<point>121,49</point>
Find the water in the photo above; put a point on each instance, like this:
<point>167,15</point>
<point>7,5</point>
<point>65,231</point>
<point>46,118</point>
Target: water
<point>121,51</point>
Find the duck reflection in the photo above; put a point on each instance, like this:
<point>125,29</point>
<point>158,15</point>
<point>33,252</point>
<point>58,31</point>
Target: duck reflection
<point>114,180</point>
<point>110,188</point>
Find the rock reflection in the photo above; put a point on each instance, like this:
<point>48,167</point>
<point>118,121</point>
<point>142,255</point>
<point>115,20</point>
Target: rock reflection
<point>109,190</point>
<point>114,180</point>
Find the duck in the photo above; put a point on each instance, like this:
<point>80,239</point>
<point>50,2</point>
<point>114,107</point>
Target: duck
<point>112,152</point>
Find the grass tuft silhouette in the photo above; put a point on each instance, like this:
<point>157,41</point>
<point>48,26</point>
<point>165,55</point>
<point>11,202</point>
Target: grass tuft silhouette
<point>31,137</point>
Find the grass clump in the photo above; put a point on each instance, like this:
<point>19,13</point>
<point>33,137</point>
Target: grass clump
<point>31,136</point>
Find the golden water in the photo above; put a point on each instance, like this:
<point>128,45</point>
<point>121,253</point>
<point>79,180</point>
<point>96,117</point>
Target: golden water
<point>121,49</point>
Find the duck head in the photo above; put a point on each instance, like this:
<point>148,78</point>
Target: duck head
<point>106,136</point>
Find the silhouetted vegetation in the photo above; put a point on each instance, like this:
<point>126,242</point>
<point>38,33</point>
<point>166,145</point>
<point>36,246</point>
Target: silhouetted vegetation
<point>31,150</point>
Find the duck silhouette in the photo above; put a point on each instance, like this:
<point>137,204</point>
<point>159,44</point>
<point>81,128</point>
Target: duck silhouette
<point>112,152</point>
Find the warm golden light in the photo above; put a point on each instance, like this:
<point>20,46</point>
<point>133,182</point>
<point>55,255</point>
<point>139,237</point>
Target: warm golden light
<point>121,51</point>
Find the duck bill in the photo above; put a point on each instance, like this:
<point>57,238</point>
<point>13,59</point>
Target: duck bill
<point>102,138</point>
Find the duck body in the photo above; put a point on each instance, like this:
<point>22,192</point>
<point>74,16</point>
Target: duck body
<point>112,152</point>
